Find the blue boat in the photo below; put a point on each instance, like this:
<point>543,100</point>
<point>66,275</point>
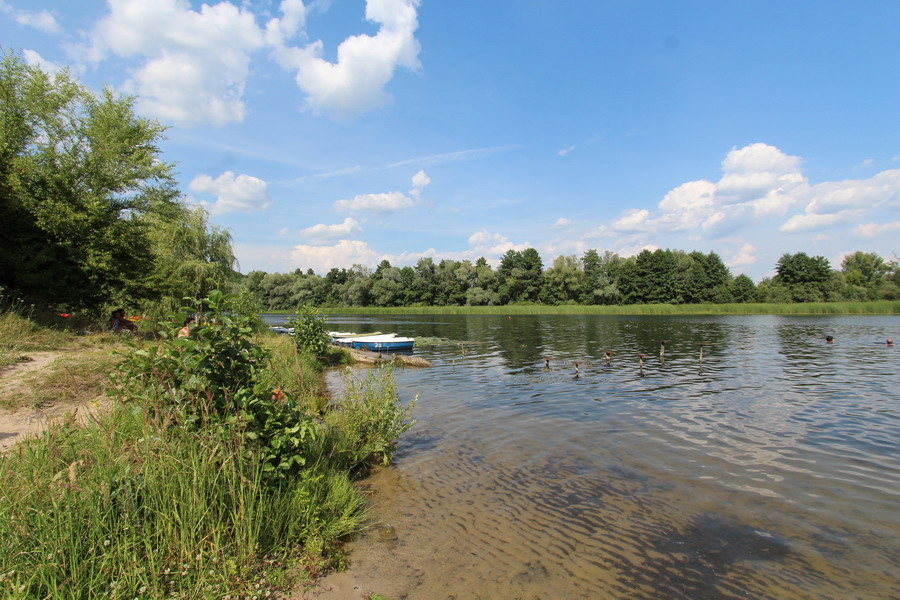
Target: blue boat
<point>381,343</point>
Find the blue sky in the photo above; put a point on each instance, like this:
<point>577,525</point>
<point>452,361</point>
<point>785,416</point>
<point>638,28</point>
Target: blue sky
<point>328,133</point>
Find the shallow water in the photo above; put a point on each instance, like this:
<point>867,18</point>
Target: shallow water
<point>770,469</point>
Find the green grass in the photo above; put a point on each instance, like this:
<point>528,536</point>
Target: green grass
<point>883,307</point>
<point>123,509</point>
<point>128,505</point>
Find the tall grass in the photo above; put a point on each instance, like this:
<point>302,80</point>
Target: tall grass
<point>880,307</point>
<point>140,504</point>
<point>123,509</point>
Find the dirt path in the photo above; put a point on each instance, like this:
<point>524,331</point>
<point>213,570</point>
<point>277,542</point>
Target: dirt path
<point>17,424</point>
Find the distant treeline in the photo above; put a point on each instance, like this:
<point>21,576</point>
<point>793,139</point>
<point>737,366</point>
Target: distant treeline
<point>651,277</point>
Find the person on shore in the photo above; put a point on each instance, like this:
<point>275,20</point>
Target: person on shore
<point>118,322</point>
<point>186,330</point>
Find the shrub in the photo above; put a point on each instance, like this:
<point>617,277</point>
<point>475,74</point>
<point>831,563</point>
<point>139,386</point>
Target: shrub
<point>310,331</point>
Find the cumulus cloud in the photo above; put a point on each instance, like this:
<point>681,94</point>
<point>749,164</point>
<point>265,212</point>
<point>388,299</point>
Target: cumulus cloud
<point>761,182</point>
<point>348,228</point>
<point>324,258</point>
<point>194,64</point>
<point>243,193</point>
<point>419,182</point>
<point>382,204</point>
<point>493,244</point>
<point>744,257</point>
<point>34,59</point>
<point>809,221</point>
<point>365,63</point>
<point>41,20</point>
<point>870,230</point>
<point>633,219</point>
<point>561,223</point>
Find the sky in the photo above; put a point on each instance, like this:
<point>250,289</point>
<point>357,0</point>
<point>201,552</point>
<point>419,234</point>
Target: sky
<point>327,133</point>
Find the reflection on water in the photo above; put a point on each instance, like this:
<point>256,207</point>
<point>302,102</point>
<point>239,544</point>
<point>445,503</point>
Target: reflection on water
<point>770,469</point>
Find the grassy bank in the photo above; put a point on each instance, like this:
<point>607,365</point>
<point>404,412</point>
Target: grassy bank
<point>221,470</point>
<point>883,307</point>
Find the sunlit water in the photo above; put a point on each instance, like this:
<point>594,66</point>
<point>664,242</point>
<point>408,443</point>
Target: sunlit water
<point>770,469</point>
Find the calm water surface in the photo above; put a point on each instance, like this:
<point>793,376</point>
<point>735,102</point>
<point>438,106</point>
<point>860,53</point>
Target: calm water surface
<point>770,469</point>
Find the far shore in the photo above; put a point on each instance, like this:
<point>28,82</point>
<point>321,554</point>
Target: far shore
<point>880,307</point>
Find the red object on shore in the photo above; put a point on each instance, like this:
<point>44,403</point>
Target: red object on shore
<point>65,315</point>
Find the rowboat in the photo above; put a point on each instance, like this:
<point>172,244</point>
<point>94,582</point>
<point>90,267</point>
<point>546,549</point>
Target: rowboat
<point>387,342</point>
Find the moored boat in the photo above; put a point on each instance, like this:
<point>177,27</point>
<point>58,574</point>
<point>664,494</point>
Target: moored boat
<point>381,342</point>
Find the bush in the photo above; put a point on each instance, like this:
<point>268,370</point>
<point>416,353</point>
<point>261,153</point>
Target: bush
<point>310,331</point>
<point>215,380</point>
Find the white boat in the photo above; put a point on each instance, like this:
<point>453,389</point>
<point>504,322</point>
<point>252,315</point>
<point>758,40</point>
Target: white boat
<point>381,342</point>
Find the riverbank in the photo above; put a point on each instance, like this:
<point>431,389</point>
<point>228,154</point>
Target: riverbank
<point>207,500</point>
<point>881,307</point>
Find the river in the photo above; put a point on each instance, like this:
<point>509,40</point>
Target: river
<point>770,468</point>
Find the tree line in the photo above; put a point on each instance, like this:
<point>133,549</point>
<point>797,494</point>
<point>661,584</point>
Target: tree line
<point>92,215</point>
<point>662,276</point>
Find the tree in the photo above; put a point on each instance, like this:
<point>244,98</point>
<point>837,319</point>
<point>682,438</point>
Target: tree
<point>78,173</point>
<point>191,257</point>
<point>563,282</point>
<point>864,273</point>
<point>807,278</point>
<point>600,273</point>
<point>743,289</point>
<point>520,275</point>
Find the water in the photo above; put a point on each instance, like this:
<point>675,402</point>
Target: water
<point>770,469</point>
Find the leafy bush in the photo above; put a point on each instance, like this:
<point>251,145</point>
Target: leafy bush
<point>214,379</point>
<point>310,330</point>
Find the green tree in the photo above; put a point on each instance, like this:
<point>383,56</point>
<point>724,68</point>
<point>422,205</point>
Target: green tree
<point>806,277</point>
<point>520,275</point>
<point>864,273</point>
<point>564,281</point>
<point>743,289</point>
<point>78,172</point>
<point>600,274</point>
<point>191,257</point>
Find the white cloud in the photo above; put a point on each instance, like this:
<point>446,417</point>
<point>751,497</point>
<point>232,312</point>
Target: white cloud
<point>324,258</point>
<point>195,64</point>
<point>243,193</point>
<point>632,220</point>
<point>565,150</point>
<point>882,188</point>
<point>561,223</point>
<point>34,59</point>
<point>378,203</point>
<point>365,64</point>
<point>493,244</point>
<point>744,257</point>
<point>759,182</point>
<point>42,20</point>
<point>348,228</point>
<point>420,180</point>
<point>870,230</point>
<point>282,231</point>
